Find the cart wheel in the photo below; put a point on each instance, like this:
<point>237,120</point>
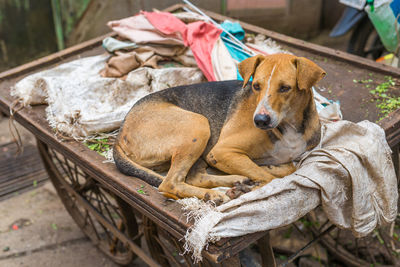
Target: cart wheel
<point>378,248</point>
<point>163,247</point>
<point>95,209</point>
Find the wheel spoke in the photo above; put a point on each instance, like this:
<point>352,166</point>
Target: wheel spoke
<point>91,192</point>
<point>94,228</point>
<point>102,212</point>
<point>60,163</point>
<point>106,208</point>
<point>70,172</point>
<point>337,237</point>
<point>91,198</point>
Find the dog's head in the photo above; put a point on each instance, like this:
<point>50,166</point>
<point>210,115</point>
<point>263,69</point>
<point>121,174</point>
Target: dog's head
<point>281,82</point>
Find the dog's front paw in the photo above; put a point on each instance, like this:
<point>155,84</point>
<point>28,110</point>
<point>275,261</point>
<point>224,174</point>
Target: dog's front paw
<point>241,188</point>
<point>239,179</point>
<point>217,197</point>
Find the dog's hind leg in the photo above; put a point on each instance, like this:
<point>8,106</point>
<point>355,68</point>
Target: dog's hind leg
<point>155,133</point>
<point>191,138</point>
<point>198,176</point>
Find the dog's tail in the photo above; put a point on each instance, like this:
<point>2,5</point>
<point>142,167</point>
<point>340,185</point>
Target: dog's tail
<point>131,168</point>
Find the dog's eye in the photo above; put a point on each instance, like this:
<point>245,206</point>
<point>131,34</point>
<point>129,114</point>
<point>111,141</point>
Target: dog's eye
<point>256,86</point>
<point>284,88</point>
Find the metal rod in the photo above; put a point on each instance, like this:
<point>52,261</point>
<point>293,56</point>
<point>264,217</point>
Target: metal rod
<point>300,251</point>
<point>219,26</point>
<point>235,45</point>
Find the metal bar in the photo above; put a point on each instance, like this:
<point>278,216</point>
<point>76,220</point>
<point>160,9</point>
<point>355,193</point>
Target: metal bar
<point>300,251</point>
<point>235,45</point>
<point>219,26</point>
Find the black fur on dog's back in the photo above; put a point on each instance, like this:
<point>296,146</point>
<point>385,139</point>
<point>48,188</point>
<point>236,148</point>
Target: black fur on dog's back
<point>213,100</point>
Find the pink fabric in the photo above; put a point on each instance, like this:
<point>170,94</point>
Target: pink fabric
<point>166,23</point>
<point>200,36</point>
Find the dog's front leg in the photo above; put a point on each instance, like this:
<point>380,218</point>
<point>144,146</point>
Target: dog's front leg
<point>280,170</point>
<point>239,163</point>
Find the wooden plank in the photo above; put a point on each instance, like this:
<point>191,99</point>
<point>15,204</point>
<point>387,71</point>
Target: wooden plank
<point>233,261</point>
<point>266,251</point>
<point>227,247</point>
<point>391,125</point>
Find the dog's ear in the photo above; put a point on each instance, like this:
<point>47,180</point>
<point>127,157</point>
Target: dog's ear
<point>308,73</point>
<point>248,66</point>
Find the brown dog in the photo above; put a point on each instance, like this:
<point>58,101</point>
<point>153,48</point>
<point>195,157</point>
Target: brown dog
<point>240,130</point>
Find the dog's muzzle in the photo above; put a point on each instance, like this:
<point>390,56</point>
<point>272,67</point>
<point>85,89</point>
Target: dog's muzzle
<point>262,121</point>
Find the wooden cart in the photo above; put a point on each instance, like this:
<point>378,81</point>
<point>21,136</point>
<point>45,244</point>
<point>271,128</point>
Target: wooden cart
<point>116,211</point>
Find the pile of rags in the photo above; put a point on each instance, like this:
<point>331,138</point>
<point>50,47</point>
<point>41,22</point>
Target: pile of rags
<point>215,54</point>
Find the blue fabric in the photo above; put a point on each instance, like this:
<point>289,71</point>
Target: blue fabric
<point>233,28</point>
<point>395,6</point>
<point>236,30</point>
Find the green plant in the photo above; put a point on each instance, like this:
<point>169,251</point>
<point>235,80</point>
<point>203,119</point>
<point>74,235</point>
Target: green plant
<point>101,146</point>
<point>385,102</point>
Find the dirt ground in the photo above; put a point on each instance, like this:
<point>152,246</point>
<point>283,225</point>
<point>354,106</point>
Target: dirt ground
<point>47,235</point>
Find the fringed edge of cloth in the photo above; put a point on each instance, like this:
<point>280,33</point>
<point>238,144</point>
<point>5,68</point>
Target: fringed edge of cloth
<point>205,216</point>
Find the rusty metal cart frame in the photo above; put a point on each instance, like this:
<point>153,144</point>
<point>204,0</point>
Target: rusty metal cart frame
<point>116,211</point>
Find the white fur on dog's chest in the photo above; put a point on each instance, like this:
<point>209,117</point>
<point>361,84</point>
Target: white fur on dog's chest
<point>287,149</point>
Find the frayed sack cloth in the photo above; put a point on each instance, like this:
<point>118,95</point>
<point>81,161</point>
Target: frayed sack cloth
<point>82,103</point>
<point>350,174</point>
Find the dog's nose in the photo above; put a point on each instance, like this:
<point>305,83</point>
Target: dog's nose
<point>262,121</point>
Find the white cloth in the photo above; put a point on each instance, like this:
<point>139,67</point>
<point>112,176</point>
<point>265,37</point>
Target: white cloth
<point>82,103</point>
<point>350,174</point>
<point>224,66</point>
